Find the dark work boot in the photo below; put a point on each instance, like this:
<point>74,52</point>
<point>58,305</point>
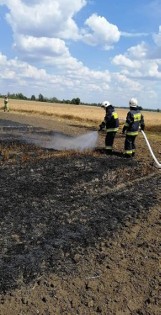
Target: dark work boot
<point>108,152</point>
<point>128,156</point>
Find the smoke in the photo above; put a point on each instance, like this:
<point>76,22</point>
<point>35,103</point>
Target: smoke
<point>59,141</point>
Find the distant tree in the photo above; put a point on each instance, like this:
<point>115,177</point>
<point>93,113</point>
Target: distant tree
<point>41,98</point>
<point>54,100</point>
<point>75,101</point>
<point>33,98</point>
<point>20,96</point>
<point>66,101</point>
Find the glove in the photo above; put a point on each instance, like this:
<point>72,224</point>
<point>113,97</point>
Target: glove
<point>101,126</point>
<point>123,130</point>
<point>142,127</point>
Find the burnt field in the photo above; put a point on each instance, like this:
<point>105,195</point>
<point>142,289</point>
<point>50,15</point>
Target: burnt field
<point>80,231</point>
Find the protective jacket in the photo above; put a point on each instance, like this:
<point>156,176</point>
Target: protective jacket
<point>134,120</point>
<point>111,120</point>
<point>6,107</point>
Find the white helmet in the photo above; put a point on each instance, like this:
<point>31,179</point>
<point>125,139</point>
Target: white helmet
<point>133,102</point>
<point>105,104</point>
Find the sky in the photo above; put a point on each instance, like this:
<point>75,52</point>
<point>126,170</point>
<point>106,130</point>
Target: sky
<point>96,50</point>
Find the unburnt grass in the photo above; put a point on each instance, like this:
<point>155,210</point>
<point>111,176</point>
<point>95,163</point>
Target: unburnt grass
<point>83,114</point>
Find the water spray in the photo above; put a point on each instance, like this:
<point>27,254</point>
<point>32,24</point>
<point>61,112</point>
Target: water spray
<point>158,165</point>
<point>81,143</point>
<point>58,141</point>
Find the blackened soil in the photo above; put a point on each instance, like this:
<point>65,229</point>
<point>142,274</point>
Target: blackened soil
<point>80,233</point>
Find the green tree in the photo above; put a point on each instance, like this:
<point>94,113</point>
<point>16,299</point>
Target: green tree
<point>41,98</point>
<point>75,101</point>
<point>20,96</point>
<point>54,100</point>
<point>33,98</point>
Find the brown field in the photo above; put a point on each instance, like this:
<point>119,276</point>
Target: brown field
<point>84,114</point>
<point>80,232</point>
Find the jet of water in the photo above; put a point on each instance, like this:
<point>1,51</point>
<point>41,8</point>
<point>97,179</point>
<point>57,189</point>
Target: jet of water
<point>59,141</point>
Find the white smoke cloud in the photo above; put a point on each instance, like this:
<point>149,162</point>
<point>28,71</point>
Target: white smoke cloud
<point>61,142</point>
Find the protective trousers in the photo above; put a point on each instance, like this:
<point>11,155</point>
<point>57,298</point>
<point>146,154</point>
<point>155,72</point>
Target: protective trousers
<point>6,107</point>
<point>109,140</point>
<point>130,145</point>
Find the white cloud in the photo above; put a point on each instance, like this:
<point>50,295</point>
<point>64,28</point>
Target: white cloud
<point>122,60</point>
<point>124,82</point>
<point>138,62</point>
<point>102,32</point>
<point>45,18</point>
<point>139,51</point>
<point>154,71</point>
<point>7,74</point>
<point>127,34</point>
<point>74,78</point>
<point>3,59</point>
<point>45,33</point>
<point>42,45</point>
<point>133,57</point>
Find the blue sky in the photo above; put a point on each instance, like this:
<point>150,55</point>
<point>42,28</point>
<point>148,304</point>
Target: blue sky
<point>92,49</point>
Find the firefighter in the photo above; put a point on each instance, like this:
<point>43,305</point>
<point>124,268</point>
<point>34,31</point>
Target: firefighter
<point>6,106</point>
<point>110,125</point>
<point>134,122</point>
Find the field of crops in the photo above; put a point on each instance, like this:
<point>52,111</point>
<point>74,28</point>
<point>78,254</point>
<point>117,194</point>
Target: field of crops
<point>82,113</point>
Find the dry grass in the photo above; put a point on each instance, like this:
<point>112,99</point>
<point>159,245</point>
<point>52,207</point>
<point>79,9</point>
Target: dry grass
<point>89,115</point>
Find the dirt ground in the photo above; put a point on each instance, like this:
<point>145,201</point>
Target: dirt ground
<point>80,231</point>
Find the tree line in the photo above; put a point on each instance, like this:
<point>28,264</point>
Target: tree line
<point>42,98</point>
<point>75,101</point>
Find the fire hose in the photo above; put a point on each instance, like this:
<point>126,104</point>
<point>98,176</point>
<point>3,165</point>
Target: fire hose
<point>158,165</point>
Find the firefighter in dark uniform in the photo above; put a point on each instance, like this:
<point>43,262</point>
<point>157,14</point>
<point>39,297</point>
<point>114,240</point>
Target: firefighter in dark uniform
<point>110,125</point>
<point>134,122</point>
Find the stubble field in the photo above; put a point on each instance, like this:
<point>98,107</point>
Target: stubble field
<point>81,113</point>
<point>80,231</point>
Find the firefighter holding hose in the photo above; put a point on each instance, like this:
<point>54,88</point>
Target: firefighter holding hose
<point>110,125</point>
<point>134,122</point>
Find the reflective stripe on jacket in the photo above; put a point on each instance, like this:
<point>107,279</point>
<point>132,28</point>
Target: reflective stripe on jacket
<point>133,120</point>
<point>111,120</point>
